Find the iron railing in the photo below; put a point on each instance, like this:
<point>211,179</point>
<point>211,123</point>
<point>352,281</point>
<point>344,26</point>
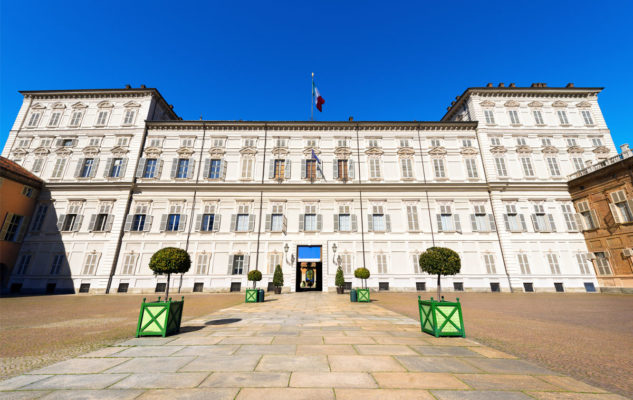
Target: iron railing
<point>604,163</point>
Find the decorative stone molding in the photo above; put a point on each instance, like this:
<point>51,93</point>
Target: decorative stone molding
<point>63,152</point>
<point>105,104</point>
<point>19,153</point>
<point>119,151</point>
<point>153,151</point>
<point>584,104</point>
<point>248,151</point>
<point>438,151</point>
<point>406,151</point>
<point>511,103</point>
<point>524,149</point>
<point>575,150</point>
<point>59,106</point>
<point>374,151</point>
<point>38,106</point>
<point>41,151</point>
<point>549,150</point>
<point>535,104</point>
<point>79,105</point>
<point>217,152</point>
<point>342,153</point>
<point>487,103</point>
<point>601,152</point>
<point>131,104</point>
<point>91,150</point>
<point>559,103</point>
<point>469,151</point>
<point>498,150</point>
<point>185,152</point>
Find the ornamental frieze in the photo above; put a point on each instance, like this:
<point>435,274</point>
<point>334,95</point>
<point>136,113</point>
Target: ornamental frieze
<point>549,150</point>
<point>575,150</point>
<point>524,149</point>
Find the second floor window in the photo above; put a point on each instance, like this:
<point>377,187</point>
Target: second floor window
<point>500,165</point>
<point>514,221</point>
<point>526,164</point>
<point>207,222</point>
<point>87,168</point>
<point>215,168</point>
<point>621,208</point>
<point>378,221</point>
<point>58,169</point>
<point>412,217</point>
<point>495,141</point>
<point>247,168</point>
<point>514,117</point>
<point>570,217</point>
<point>407,168</point>
<point>182,170</point>
<point>116,168</point>
<point>447,221</point>
<point>279,169</point>
<point>242,224</point>
<point>597,142</point>
<point>586,116</point>
<point>538,117</point>
<point>310,169</point>
<point>343,170</point>
<point>173,222</point>
<point>138,222</point>
<point>438,168</point>
<point>562,117</point>
<point>588,217</point>
<point>571,142</point>
<point>150,168</point>
<point>11,228</point>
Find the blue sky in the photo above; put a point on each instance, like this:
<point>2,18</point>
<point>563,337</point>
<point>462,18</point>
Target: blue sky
<point>373,60</point>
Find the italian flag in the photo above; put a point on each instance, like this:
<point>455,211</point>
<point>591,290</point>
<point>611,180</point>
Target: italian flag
<point>318,100</point>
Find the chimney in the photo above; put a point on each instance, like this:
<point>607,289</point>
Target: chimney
<point>143,87</point>
<point>128,86</point>
<point>543,84</point>
<point>448,109</point>
<point>351,119</point>
<point>171,106</point>
<point>489,85</point>
<point>456,97</point>
<point>624,148</point>
<point>570,85</point>
<point>452,103</point>
<point>534,85</point>
<point>513,85</point>
<point>501,84</point>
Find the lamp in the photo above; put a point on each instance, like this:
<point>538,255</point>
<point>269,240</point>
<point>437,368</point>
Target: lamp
<point>334,259</point>
<point>292,256</point>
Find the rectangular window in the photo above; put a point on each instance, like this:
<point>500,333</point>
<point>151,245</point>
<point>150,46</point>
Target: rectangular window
<point>374,168</point>
<point>467,143</point>
<point>23,264</point>
<point>86,169</point>
<point>407,168</point>
<point>55,117</point>
<point>578,163</point>
<point>25,143</point>
<point>12,227</point>
<point>242,223</point>
<point>281,142</point>
<point>489,260</point>
<point>346,263</point>
<point>56,265</point>
<point>500,164</point>
<point>218,142</point>
<point>571,142</point>
<point>436,143</point>
<point>621,208</point>
<point>34,120</point>
<point>438,167</point>
<point>570,218</point>
<point>404,143</point>
<point>562,117</point>
<point>552,260</point>
<point>471,167</point>
<point>101,222</point>
<point>274,259</point>
<point>207,222</point>
<point>102,118</point>
<point>546,142</point>
<point>38,220</point>
<point>514,221</point>
<point>75,118</point>
<point>602,263</point>
<point>586,116</point>
<point>202,264</point>
<point>95,141</point>
<point>372,143</point>
<point>412,218</point>
<point>247,168</point>
<point>129,117</point>
<point>597,142</point>
<point>587,216</point>
<point>58,169</point>
<point>514,117</point>
<point>150,168</point>
<point>344,222</point>
<point>154,142</point>
<point>495,141</point>
<point>182,170</point>
<point>521,141</point>
<point>173,222</point>
<point>310,222</point>
<point>276,222</point>
<point>343,170</point>
<point>280,169</point>
<point>583,264</point>
<point>129,264</point>
<point>311,143</point>
<point>115,169</point>
<point>378,219</point>
<point>381,263</point>
<point>490,117</point>
<point>38,164</point>
<point>480,222</point>
<point>215,168</point>
<point>341,143</point>
<point>538,117</point>
<point>238,265</point>
<point>552,165</point>
<point>90,265</point>
<point>526,164</point>
<point>138,222</point>
<point>524,264</point>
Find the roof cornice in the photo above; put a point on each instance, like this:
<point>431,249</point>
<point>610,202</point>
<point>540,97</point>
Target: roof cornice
<point>311,125</point>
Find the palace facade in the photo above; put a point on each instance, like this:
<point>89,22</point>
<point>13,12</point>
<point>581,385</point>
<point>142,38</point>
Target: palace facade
<point>125,176</point>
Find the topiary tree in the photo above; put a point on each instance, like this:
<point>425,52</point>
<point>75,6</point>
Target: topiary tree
<point>170,260</point>
<point>440,261</point>
<point>254,276</point>
<point>362,274</point>
<point>339,281</point>
<point>278,277</point>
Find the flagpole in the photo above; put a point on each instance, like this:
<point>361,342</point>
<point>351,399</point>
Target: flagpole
<point>312,100</point>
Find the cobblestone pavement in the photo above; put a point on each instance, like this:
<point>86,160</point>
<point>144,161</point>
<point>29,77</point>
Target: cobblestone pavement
<point>299,346</point>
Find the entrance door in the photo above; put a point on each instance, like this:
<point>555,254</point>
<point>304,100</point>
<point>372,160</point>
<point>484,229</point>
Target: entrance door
<point>309,269</point>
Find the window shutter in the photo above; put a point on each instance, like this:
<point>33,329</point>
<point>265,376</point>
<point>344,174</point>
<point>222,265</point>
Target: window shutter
<point>271,169</point>
<point>230,269</point>
<point>59,142</point>
<point>7,222</point>
<point>350,168</point>
<point>301,217</point>
<point>630,204</point>
<point>523,224</point>
<point>284,225</point>
<point>491,220</point>
<point>109,222</point>
<point>473,222</point>
<point>552,223</point>
<point>147,226</point>
<point>191,168</point>
<point>370,223</point>
<point>251,222</point>
<point>269,223</point>
<point>335,169</point>
<point>95,165</point>
<point>217,222</point>
<point>319,222</point>
<point>60,221</point>
<point>303,169</point>
<point>159,168</point>
<point>247,263</point>
<point>207,168</point>
<point>580,222</point>
<point>536,227</point>
<point>182,223</point>
<point>233,222</point>
<point>174,167</point>
<point>141,167</point>
<point>439,223</point>
<point>287,168</point>
<point>354,223</point>
<point>388,222</point>
<point>77,224</point>
<point>458,223</point>
<point>91,224</point>
<point>123,168</point>
<point>507,222</point>
<point>335,220</point>
<point>23,227</point>
<point>223,169</point>
<point>163,222</point>
<point>106,172</point>
<point>594,218</point>
<point>80,165</point>
<point>198,224</point>
<point>615,212</point>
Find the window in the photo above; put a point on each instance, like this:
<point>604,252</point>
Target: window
<point>46,142</point>
<point>56,265</point>
<point>578,163</point>
<point>570,217</point>
<point>342,170</point>
<point>500,164</point>
<point>242,223</point>
<point>435,143</point>
<point>524,264</point>
<point>202,264</point>
<point>471,167</point>
<point>11,227</point>
<point>218,142</point>
<point>58,169</point>
<point>87,167</point>
<point>341,143</point>
<point>344,222</point>
<point>155,142</point>
<point>310,218</point>
<point>586,116</point>
<point>514,117</point>
<point>38,163</point>
<point>412,218</point>
<point>588,217</point>
<point>552,260</point>
<point>116,168</point>
<point>274,259</point>
<point>546,142</point>
<point>374,168</point>
<point>138,222</point>
<point>129,263</point>
<point>404,143</point>
<point>55,117</point>
<point>129,117</point>
<point>571,142</point>
<point>149,171</point>
<point>24,143</point>
<point>281,142</point>
<point>102,118</point>
<point>597,142</point>
<point>621,208</point>
<point>489,260</point>
<point>34,119</point>
<point>521,141</point>
<point>495,141</point>
<point>238,265</point>
<point>38,220</point>
<point>249,142</point>
<point>490,117</point>
<point>186,142</point>
<point>542,222</point>
<point>378,223</point>
<point>67,142</point>
<point>247,168</point>
<point>415,261</point>
<point>552,165</point>
<point>182,170</point>
<point>100,223</point>
<point>23,264</point>
<point>207,222</point>
<point>346,263</point>
<point>27,191</point>
<point>276,222</point>
<point>447,221</point>
<point>311,169</point>
<point>514,222</point>
<point>381,263</point>
<point>538,117</point>
<point>481,221</point>
<point>90,264</point>
<point>215,168</point>
<point>583,264</point>
<point>526,164</point>
<point>279,169</point>
<point>122,141</point>
<point>94,142</point>
<point>562,117</point>
<point>75,118</point>
<point>173,222</point>
<point>467,143</point>
<point>438,168</point>
<point>407,168</point>
<point>372,143</point>
<point>602,263</point>
<point>311,143</point>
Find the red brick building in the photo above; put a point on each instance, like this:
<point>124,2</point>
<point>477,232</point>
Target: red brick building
<point>603,196</point>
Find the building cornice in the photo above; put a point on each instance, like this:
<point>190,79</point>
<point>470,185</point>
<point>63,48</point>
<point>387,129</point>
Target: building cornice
<point>310,125</point>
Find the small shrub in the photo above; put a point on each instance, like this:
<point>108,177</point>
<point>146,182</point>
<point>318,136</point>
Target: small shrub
<point>440,261</point>
<point>254,276</point>
<point>339,281</point>
<point>170,260</point>
<point>363,274</point>
<point>278,277</point>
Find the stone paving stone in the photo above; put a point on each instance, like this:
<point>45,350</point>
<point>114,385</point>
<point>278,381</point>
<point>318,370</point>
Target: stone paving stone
<point>484,395</point>
<point>196,341</point>
<point>445,351</point>
<point>399,340</point>
<point>147,341</point>
<point>320,332</point>
<point>278,333</point>
<point>505,382</point>
<point>190,394</point>
<point>21,380</point>
<point>106,394</point>
<point>247,379</point>
<point>327,349</point>
<point>80,366</point>
<point>268,349</point>
<point>285,394</point>
<point>575,396</point>
<point>220,350</point>
<point>233,333</point>
<point>332,379</point>
<point>104,352</point>
<point>244,362</point>
<point>156,364</point>
<point>348,340</point>
<point>450,341</point>
<point>364,363</point>
<point>490,353</point>
<point>416,334</point>
<point>385,349</point>
<point>503,366</point>
<point>417,380</point>
<point>162,380</point>
<point>247,340</point>
<point>32,394</point>
<point>436,364</point>
<point>297,340</point>
<point>77,381</point>
<point>571,384</point>
<point>382,394</point>
<point>359,333</point>
<point>293,363</point>
<point>148,351</point>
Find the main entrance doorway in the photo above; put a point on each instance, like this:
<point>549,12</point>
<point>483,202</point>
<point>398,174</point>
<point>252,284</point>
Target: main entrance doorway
<point>309,266</point>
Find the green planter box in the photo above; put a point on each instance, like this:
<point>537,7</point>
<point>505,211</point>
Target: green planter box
<point>251,295</point>
<point>362,295</point>
<point>160,318</point>
<point>441,318</point>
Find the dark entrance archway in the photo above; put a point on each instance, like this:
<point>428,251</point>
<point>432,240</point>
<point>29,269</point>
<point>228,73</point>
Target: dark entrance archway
<point>309,269</point>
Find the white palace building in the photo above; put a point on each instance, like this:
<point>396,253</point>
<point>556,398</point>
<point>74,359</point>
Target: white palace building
<point>125,177</point>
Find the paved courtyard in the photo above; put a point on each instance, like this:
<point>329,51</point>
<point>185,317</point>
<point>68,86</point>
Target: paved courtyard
<point>299,346</point>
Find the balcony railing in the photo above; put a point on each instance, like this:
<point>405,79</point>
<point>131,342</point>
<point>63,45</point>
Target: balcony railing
<point>604,163</point>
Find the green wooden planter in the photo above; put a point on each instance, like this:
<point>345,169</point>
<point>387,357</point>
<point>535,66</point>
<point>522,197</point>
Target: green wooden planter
<point>441,318</point>
<point>362,295</point>
<point>159,318</point>
<point>251,295</point>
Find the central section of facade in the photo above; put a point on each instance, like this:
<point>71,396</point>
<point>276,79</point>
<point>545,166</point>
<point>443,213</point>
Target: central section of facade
<point>309,269</point>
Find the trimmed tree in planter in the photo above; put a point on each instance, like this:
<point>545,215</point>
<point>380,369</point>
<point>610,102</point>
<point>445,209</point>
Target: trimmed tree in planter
<point>251,294</point>
<point>278,279</point>
<point>161,318</point>
<point>441,318</point>
<point>339,281</point>
<point>362,294</point>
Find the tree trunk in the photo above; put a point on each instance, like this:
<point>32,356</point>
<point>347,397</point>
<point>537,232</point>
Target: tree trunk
<point>254,283</point>
<point>439,288</point>
<point>167,290</point>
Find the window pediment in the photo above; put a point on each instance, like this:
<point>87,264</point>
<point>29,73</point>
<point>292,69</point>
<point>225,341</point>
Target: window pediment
<point>91,150</point>
<point>79,105</point>
<point>524,149</point>
<point>584,104</point>
<point>342,152</point>
<point>38,106</point>
<point>19,152</point>
<point>575,149</point>
<point>105,104</point>
<point>185,152</point>
<point>216,152</point>
<point>549,150</point>
<point>535,104</point>
<point>498,150</point>
<point>487,103</point>
<point>131,104</point>
<point>41,151</point>
<point>406,151</point>
<point>248,151</point>
<point>374,151</point>
<point>308,152</point>
<point>119,150</point>
<point>438,151</point>
<point>280,152</point>
<point>153,152</point>
<point>601,150</point>
<point>559,103</point>
<point>511,103</point>
<point>63,152</point>
<point>59,106</point>
<point>469,151</point>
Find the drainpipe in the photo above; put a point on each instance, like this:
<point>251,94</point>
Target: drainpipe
<point>426,192</point>
<point>261,198</point>
<point>360,195</point>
